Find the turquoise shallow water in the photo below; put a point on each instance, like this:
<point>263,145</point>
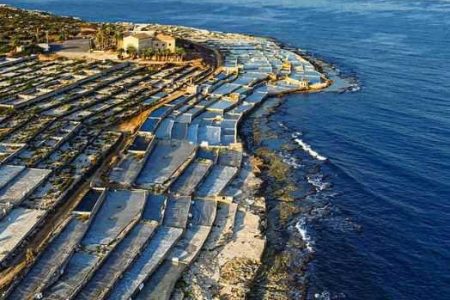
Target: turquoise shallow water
<point>388,145</point>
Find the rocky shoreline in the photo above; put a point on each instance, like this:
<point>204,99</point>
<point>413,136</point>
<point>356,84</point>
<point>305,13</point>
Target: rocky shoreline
<point>283,272</point>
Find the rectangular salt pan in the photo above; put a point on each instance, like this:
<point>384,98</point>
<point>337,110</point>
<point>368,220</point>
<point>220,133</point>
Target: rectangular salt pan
<point>230,158</point>
<point>18,188</point>
<point>191,177</point>
<point>154,208</point>
<point>80,265</point>
<point>7,173</point>
<point>117,262</point>
<point>177,212</point>
<point>203,212</point>
<point>51,261</point>
<point>210,134</point>
<point>162,282</point>
<point>127,170</point>
<point>13,229</point>
<point>119,209</point>
<point>166,158</point>
<point>147,263</point>
<point>164,131</point>
<point>190,244</point>
<point>150,125</point>
<point>216,181</point>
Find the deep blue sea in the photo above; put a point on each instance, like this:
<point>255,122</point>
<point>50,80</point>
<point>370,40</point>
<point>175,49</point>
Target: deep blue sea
<point>388,144</point>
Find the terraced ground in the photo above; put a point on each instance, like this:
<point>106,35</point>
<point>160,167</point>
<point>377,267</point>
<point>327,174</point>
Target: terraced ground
<point>92,212</point>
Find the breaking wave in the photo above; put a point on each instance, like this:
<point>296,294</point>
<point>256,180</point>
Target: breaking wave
<point>301,227</point>
<point>307,148</point>
<point>296,134</point>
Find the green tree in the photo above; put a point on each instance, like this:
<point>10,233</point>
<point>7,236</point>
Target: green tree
<point>14,42</point>
<point>144,54</point>
<point>62,35</point>
<point>157,54</point>
<point>100,37</point>
<point>120,52</point>
<point>148,53</point>
<point>4,48</point>
<point>166,53</point>
<point>107,37</point>
<point>118,36</point>
<point>180,52</point>
<point>132,51</point>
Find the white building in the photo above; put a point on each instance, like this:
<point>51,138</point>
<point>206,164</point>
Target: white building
<point>144,40</point>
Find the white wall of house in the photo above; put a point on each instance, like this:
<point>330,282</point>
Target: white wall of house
<point>151,42</point>
<point>161,45</point>
<point>137,43</point>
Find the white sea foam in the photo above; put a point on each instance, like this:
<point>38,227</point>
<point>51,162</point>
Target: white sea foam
<point>290,160</point>
<point>307,148</point>
<point>354,88</point>
<point>316,180</point>
<point>325,295</point>
<point>301,227</point>
<point>282,125</point>
<point>296,134</point>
